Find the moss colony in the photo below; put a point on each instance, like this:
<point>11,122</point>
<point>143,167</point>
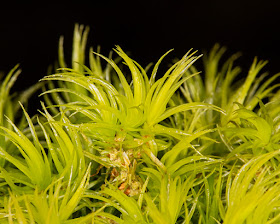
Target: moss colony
<point>114,142</point>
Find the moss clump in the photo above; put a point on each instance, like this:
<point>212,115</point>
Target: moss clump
<point>179,147</point>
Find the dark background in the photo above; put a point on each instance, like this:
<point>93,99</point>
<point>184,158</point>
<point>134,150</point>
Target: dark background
<point>29,32</point>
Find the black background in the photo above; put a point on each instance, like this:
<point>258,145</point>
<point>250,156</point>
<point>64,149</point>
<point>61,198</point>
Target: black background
<point>29,32</point>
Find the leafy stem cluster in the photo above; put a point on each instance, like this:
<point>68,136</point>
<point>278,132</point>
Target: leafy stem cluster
<point>179,147</point>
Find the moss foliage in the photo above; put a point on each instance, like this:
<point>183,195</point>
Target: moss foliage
<point>114,142</point>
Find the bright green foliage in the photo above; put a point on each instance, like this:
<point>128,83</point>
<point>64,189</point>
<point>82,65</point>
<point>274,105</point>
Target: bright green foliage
<point>171,200</point>
<point>33,165</point>
<point>9,106</point>
<point>115,142</point>
<point>253,196</point>
<point>54,205</point>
